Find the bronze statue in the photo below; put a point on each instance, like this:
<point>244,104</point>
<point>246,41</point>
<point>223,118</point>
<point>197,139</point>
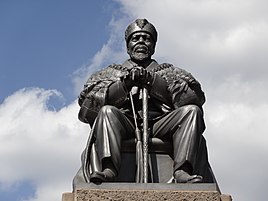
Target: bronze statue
<point>112,103</point>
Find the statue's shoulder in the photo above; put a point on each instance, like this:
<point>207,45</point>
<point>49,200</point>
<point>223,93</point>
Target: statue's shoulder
<point>111,72</point>
<point>171,73</point>
<point>168,68</point>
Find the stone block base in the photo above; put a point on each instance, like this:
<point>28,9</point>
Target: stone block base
<point>133,192</point>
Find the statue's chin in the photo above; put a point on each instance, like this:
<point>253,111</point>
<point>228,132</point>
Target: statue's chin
<point>140,56</point>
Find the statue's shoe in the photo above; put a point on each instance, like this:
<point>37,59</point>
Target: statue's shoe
<point>181,176</point>
<point>97,177</point>
<point>105,176</point>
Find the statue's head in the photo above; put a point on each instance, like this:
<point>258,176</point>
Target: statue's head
<point>141,37</point>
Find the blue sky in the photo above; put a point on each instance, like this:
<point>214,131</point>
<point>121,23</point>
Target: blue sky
<point>44,42</point>
<point>49,48</point>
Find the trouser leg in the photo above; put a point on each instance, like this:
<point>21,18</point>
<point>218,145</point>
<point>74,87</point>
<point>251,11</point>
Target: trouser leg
<point>110,128</point>
<point>184,126</point>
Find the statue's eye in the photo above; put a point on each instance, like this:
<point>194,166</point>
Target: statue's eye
<point>134,38</point>
<point>147,39</point>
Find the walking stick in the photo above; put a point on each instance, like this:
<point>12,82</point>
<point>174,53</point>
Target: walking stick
<point>139,157</point>
<point>145,133</point>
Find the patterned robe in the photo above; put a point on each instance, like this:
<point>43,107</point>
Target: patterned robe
<point>172,88</point>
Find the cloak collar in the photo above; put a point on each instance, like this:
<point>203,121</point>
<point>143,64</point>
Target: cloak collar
<point>130,64</point>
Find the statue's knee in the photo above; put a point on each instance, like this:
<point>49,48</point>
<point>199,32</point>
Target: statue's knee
<point>193,109</point>
<point>107,110</point>
<point>195,113</point>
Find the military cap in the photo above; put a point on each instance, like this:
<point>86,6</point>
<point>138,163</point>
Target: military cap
<point>140,25</point>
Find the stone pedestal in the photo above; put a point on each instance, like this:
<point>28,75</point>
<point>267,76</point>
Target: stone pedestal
<point>152,191</point>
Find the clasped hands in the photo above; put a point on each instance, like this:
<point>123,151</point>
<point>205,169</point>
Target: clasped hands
<point>138,76</point>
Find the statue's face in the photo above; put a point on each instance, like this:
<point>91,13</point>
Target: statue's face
<point>140,46</point>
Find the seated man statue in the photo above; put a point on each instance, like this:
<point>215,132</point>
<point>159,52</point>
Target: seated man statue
<point>175,112</point>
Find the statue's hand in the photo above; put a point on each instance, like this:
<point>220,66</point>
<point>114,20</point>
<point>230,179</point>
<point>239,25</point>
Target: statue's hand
<point>138,76</point>
<point>182,85</point>
<point>178,86</point>
<point>141,77</point>
<point>127,81</point>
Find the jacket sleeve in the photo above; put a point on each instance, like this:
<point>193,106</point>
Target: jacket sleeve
<point>185,89</point>
<point>117,93</point>
<point>159,90</point>
<point>102,88</point>
<point>93,97</point>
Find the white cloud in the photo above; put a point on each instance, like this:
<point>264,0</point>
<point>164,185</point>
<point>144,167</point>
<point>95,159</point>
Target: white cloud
<point>236,134</point>
<point>237,140</point>
<point>38,144</point>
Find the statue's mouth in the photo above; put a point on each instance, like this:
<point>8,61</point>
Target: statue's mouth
<point>141,49</point>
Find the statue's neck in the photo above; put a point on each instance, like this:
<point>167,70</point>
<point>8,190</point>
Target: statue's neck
<point>142,63</point>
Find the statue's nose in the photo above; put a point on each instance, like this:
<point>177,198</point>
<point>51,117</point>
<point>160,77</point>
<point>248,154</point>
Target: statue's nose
<point>141,39</point>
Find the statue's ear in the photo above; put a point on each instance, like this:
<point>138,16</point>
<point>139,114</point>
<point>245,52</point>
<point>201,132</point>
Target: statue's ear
<point>128,50</point>
<point>153,49</point>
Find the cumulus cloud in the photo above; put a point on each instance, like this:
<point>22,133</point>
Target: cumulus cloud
<point>236,135</point>
<point>39,144</point>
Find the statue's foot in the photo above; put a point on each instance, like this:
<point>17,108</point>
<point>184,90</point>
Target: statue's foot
<point>105,176</point>
<point>183,177</point>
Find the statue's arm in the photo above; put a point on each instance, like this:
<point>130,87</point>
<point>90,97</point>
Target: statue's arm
<point>185,89</point>
<point>94,95</point>
<point>102,88</point>
<point>117,93</point>
<point>159,90</point>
